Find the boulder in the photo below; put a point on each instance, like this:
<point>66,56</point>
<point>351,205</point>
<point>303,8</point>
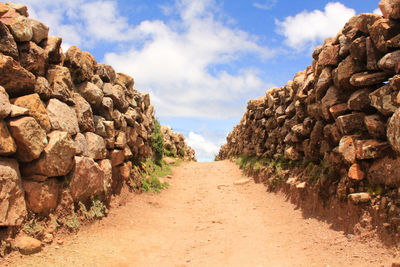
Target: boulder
<point>338,110</point>
<point>117,157</point>
<point>367,79</point>
<point>57,158</point>
<point>36,109</point>
<point>358,49</point>
<point>324,81</point>
<point>373,55</point>
<point>96,146</point>
<point>376,126</point>
<point>33,58</point>
<point>29,136</point>
<point>12,200</point>
<point>62,117</point>
<point>99,127</point>
<point>14,78</point>
<point>60,82</point>
<point>359,100</point>
<point>393,131</point>
<point>345,70</point>
<point>41,197</point>
<point>93,94</point>
<point>106,167</point>
<point>7,143</point>
<point>27,245</point>
<point>96,80</point>
<point>110,134</point>
<point>125,170</point>
<point>39,29</point>
<point>382,31</point>
<point>117,94</point>
<point>52,46</point>
<point>82,65</point>
<point>384,100</point>
<point>84,113</point>
<point>125,80</point>
<point>333,96</point>
<point>371,149</point>
<point>106,73</point>
<point>365,20</point>
<point>8,46</point>
<point>5,106</point>
<point>42,88</point>
<point>385,171</point>
<point>329,56</point>
<point>17,111</point>
<point>351,123</point>
<point>21,9</point>
<point>81,146</point>
<point>390,9</point>
<point>120,140</point>
<point>87,179</point>
<point>389,63</point>
<point>19,26</point>
<point>348,148</point>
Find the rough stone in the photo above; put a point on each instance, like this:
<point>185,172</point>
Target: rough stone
<point>332,97</point>
<point>110,134</point>
<point>60,81</point>
<point>87,179</point>
<point>84,113</point>
<point>7,143</point>
<point>96,146</point>
<point>371,149</point>
<point>329,56</point>
<point>21,9</point>
<point>372,55</point>
<point>5,106</point>
<point>351,123</point>
<point>345,70</point>
<point>81,64</point>
<point>389,63</point>
<point>359,100</point>
<point>339,110</point>
<point>376,126</point>
<point>324,81</point>
<point>393,131</point>
<point>93,94</point>
<point>126,81</point>
<point>390,9</point>
<point>99,127</point>
<point>29,136</point>
<point>125,170</point>
<point>117,157</point>
<point>17,111</point>
<point>358,49</point>
<point>106,73</point>
<point>52,46</point>
<point>385,171</point>
<point>120,140</point>
<point>367,79</point>
<point>62,117</point>
<point>33,58</point>
<point>36,109</point>
<point>12,200</point>
<point>356,173</point>
<point>42,88</point>
<point>384,100</point>
<point>19,26</point>
<point>106,166</point>
<point>8,46</point>
<point>80,145</point>
<point>348,149</point>
<point>39,30</point>
<point>360,197</point>
<point>381,32</point>
<point>117,94</point>
<point>41,197</point>
<point>27,245</point>
<point>57,158</point>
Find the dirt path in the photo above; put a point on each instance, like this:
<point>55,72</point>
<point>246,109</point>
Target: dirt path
<point>205,220</point>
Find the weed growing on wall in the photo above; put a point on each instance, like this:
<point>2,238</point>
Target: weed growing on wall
<point>157,142</point>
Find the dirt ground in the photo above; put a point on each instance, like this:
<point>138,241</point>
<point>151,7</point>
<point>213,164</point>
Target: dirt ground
<point>203,219</point>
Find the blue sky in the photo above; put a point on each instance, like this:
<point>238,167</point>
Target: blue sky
<point>201,60</point>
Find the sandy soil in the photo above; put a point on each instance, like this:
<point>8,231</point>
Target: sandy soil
<point>203,219</point>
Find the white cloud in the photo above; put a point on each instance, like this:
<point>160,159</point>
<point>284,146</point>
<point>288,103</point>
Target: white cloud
<point>205,150</point>
<point>306,29</point>
<point>377,11</point>
<point>266,5</point>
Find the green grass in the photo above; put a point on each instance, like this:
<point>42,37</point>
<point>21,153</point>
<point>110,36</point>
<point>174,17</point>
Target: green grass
<point>97,209</point>
<point>152,172</point>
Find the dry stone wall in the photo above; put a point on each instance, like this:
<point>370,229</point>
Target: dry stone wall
<point>175,145</point>
<point>71,128</point>
<point>342,111</point>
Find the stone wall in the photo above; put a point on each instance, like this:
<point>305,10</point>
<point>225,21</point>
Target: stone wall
<point>71,128</point>
<point>175,145</point>
<point>342,111</point>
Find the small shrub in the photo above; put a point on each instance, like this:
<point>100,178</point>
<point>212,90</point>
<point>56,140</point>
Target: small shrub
<point>71,221</point>
<point>97,209</point>
<point>33,228</point>
<point>157,142</point>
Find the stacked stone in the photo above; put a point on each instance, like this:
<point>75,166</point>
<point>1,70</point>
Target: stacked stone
<point>344,109</point>
<point>69,126</point>
<point>176,144</point>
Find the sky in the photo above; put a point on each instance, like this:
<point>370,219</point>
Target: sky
<point>200,60</point>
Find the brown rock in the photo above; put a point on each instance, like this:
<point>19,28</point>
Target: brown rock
<point>39,30</point>
<point>12,200</point>
<point>106,109</point>
<point>14,78</point>
<point>360,197</point>
<point>96,80</point>
<point>60,81</point>
<point>8,46</point>
<point>351,123</point>
<point>33,58</point>
<point>120,141</point>
<point>17,111</point>
<point>371,149</point>
<point>356,173</point>
<point>57,158</point>
<point>382,31</point>
<point>36,109</point>
<point>126,81</point>
<point>80,145</point>
<point>21,9</point>
<point>393,131</point>
<point>41,197</point>
<point>372,55</point>
<point>324,81</point>
<point>99,127</point>
<point>27,245</point>
<point>7,144</point>
<point>384,100</point>
<point>93,94</point>
<point>5,106</point>
<point>366,20</point>
<point>345,70</point>
<point>110,134</point>
<point>350,29</point>
<point>117,157</point>
<point>385,171</point>
<point>125,170</point>
<point>389,63</point>
<point>117,94</point>
<point>394,82</point>
<point>29,137</point>
<point>131,115</point>
<point>84,113</point>
<point>52,46</point>
<point>331,132</point>
<point>359,100</point>
<point>106,73</point>
<point>19,26</point>
<point>338,110</point>
<point>292,154</point>
<point>348,149</point>
<point>329,56</point>
<point>390,9</point>
<point>106,166</point>
<point>332,97</point>
<point>367,79</point>
<point>376,126</point>
<point>96,146</point>
<point>81,64</point>
<point>42,88</point>
<point>87,179</point>
<point>358,49</point>
<point>62,117</point>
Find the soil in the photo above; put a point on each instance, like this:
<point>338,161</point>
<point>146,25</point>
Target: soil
<point>203,219</point>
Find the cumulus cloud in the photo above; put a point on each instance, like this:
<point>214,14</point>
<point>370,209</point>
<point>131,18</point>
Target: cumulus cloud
<point>307,29</point>
<point>377,11</point>
<point>205,150</point>
<point>265,5</point>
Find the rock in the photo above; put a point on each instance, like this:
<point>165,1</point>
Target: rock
<point>117,94</point>
<point>33,58</point>
<point>37,178</point>
<point>350,30</point>
<point>17,111</point>
<point>390,9</point>
<point>131,115</point>
<point>42,88</point>
<point>381,32</point>
<point>84,113</point>
<point>52,46</point>
<point>126,81</point>
<point>345,70</point>
<point>96,146</point>
<point>96,80</point>
<point>365,21</point>
<point>128,153</point>
<point>106,109</point>
<point>8,46</point>
<point>110,134</point>
<point>358,49</point>
<point>80,145</point>
<point>367,79</point>
<point>120,141</point>
<point>338,110</point>
<point>372,55</point>
<point>106,166</point>
<point>348,149</point>
<point>62,117</point>
<point>14,78</point>
<point>125,170</point>
<point>81,64</point>
<point>329,56</point>
<point>356,173</point>
<point>292,154</point>
<point>394,82</point>
<point>87,179</point>
<point>36,109</point>
<point>21,9</point>
<point>60,81</point>
<point>5,106</point>
<point>106,73</point>
<point>57,158</point>
<point>344,43</point>
<point>332,97</point>
<point>389,63</point>
<point>100,128</point>
<point>376,126</point>
<point>385,171</point>
<point>371,149</point>
<point>12,200</point>
<point>393,131</point>
<point>29,136</point>
<point>39,30</point>
<point>384,100</point>
<point>359,100</point>
<point>117,157</point>
<point>92,94</point>
<point>7,144</point>
<point>19,26</point>
<point>42,197</point>
<point>360,197</point>
<point>351,123</point>
<point>169,161</point>
<point>324,81</point>
<point>241,181</point>
<point>27,245</point>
